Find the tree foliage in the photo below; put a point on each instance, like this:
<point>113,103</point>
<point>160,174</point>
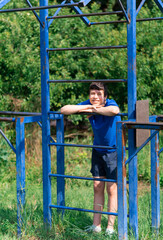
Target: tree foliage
<point>20,84</point>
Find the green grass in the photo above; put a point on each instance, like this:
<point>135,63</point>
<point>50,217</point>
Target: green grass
<point>78,194</point>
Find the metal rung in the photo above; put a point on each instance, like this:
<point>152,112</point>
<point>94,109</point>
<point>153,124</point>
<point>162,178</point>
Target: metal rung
<point>81,145</point>
<point>39,8</point>
<point>90,80</point>
<point>5,119</point>
<point>83,178</point>
<point>86,14</point>
<point>82,210</point>
<point>124,21</point>
<point>86,48</point>
<point>19,113</point>
<point>108,22</point>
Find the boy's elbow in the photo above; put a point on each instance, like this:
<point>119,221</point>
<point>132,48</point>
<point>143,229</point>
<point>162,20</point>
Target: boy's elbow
<point>63,110</point>
<point>116,110</point>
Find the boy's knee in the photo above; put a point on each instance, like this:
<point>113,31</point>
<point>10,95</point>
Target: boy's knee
<point>99,186</point>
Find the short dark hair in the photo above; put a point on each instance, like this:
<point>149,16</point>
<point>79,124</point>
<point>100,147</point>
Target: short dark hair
<point>98,86</point>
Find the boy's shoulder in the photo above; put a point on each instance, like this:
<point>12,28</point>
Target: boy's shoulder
<point>110,102</point>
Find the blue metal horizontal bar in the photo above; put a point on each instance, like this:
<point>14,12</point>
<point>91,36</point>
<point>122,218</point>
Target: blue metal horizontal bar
<point>56,13</point>
<point>82,210</point>
<point>81,145</point>
<point>159,4</point>
<point>19,113</point>
<point>85,48</point>
<point>30,119</point>
<point>138,150</point>
<point>124,21</point>
<point>83,178</point>
<point>160,151</point>
<point>136,125</point>
<point>8,141</point>
<point>38,8</point>
<point>85,14</point>
<point>89,80</point>
<point>34,12</point>
<point>6,119</point>
<point>57,115</point>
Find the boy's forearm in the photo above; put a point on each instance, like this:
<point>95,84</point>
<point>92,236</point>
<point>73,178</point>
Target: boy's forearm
<point>108,111</point>
<point>71,109</point>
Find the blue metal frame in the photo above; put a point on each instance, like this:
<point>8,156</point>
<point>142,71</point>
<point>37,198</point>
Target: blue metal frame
<point>20,172</point>
<point>3,3</point>
<point>159,4</point>
<point>155,183</point>
<point>60,163</point>
<point>47,140</point>
<point>121,179</point>
<point>132,97</point>
<point>45,105</point>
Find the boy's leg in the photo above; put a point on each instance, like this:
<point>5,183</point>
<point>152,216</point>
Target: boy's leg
<point>112,202</point>
<point>99,188</point>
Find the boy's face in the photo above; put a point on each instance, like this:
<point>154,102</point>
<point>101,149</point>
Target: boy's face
<point>97,98</point>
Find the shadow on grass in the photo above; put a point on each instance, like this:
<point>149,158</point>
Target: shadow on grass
<point>8,220</point>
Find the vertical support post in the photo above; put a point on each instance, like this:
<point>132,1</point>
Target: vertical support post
<point>121,181</point>
<point>155,183</point>
<point>133,181</point>
<point>20,172</point>
<point>45,105</point>
<point>60,163</point>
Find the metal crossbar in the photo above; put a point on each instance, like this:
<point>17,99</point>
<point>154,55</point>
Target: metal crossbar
<point>124,21</point>
<point>80,145</point>
<point>82,210</point>
<point>86,48</point>
<point>90,80</point>
<point>86,14</point>
<point>19,113</point>
<point>38,8</point>
<point>83,178</point>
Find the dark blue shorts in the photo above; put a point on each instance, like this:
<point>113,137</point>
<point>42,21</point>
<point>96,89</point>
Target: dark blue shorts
<point>104,164</point>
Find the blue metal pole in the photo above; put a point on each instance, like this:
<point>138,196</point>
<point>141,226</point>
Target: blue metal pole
<point>45,104</point>
<point>132,95</point>
<point>60,163</point>
<point>155,184</point>
<point>121,181</point>
<point>20,172</point>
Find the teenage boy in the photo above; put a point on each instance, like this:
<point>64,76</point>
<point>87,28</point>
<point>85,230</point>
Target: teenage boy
<point>104,161</point>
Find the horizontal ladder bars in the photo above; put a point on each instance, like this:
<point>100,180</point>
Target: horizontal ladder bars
<point>85,15</point>
<point>89,80</point>
<point>85,48</point>
<point>83,178</point>
<point>124,21</point>
<point>82,210</point>
<point>81,145</point>
<point>39,8</point>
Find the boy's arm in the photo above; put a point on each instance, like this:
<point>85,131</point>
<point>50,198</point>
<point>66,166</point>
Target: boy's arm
<point>107,111</point>
<point>70,109</point>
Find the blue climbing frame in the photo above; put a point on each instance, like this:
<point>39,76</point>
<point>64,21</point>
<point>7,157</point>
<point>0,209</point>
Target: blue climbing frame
<point>46,116</point>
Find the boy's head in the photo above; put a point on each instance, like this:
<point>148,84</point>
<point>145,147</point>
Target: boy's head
<point>97,93</point>
<point>98,86</point>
